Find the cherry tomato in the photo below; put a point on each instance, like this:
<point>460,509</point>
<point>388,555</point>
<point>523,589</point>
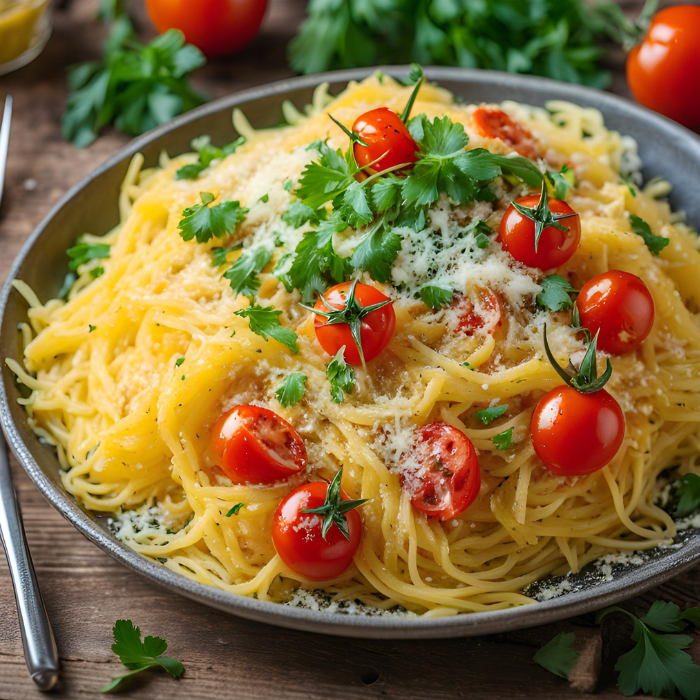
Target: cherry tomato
<point>375,332</point>
<point>496,124</point>
<point>555,247</point>
<point>575,433</point>
<point>448,478</point>
<point>619,305</point>
<point>383,132</point>
<point>298,538</point>
<point>487,318</point>
<point>257,446</point>
<point>217,27</point>
<point>663,71</point>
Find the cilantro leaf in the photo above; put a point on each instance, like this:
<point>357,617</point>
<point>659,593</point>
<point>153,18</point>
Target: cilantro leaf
<point>264,321</point>
<point>219,254</point>
<point>503,440</point>
<point>655,243</point>
<point>486,415</point>
<point>243,273</point>
<point>201,221</point>
<point>438,138</point>
<point>341,376</point>
<point>686,492</point>
<point>83,252</point>
<point>299,214</point>
<point>558,655</point>
<point>376,253</point>
<point>435,297</point>
<point>555,293</point>
<point>137,655</point>
<point>207,155</point>
<point>234,510</point>
<point>292,389</point>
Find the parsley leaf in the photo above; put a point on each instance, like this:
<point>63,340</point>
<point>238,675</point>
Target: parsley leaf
<point>503,440</point>
<point>135,87</point>
<point>655,243</point>
<point>202,221</point>
<point>667,617</point>
<point>686,491</point>
<point>341,376</point>
<point>137,656</point>
<point>355,209</point>
<point>323,180</point>
<point>219,254</point>
<point>207,155</point>
<point>555,293</point>
<point>299,214</point>
<point>435,297</point>
<point>179,361</point>
<point>558,655</point>
<point>83,252</point>
<point>264,321</point>
<point>243,273</point>
<point>376,253</point>
<point>561,182</point>
<point>491,413</point>
<point>234,510</point>
<point>292,389</point>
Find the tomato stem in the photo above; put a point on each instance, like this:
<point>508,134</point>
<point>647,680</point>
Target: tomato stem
<point>411,100</point>
<point>354,138</point>
<point>542,215</point>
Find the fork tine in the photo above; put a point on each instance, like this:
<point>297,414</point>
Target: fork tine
<point>5,141</point>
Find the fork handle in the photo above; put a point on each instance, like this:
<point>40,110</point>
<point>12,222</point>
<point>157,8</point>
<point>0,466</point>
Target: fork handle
<point>40,652</point>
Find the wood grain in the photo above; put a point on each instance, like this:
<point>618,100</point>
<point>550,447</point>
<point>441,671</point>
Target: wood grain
<point>86,591</point>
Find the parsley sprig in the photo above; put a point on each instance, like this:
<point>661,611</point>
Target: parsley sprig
<point>542,216</point>
<point>139,655</point>
<point>555,294</point>
<point>335,508</point>
<point>203,222</point>
<point>655,243</point>
<point>292,389</point>
<point>341,376</point>
<point>586,379</point>
<point>207,154</point>
<point>82,253</point>
<point>264,321</point>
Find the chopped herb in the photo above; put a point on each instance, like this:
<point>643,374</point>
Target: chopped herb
<point>558,655</point>
<point>243,273</point>
<point>436,297</point>
<point>137,656</point>
<point>503,440</point>
<point>201,221</point>
<point>562,182</point>
<point>207,155</point>
<point>341,376</point>
<point>686,494</point>
<point>83,252</point>
<point>97,272</point>
<point>264,199</point>
<point>292,389</point>
<point>91,327</point>
<point>68,282</point>
<point>234,510</point>
<point>182,377</point>
<point>288,184</point>
<point>655,243</point>
<point>264,321</point>
<point>219,255</point>
<point>488,414</point>
<point>179,361</point>
<point>555,293</point>
<point>299,214</point>
<point>465,364</point>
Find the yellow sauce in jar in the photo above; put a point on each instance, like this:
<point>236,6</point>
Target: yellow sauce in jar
<point>21,24</point>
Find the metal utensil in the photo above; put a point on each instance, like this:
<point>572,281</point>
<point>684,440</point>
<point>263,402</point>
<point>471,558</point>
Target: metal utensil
<point>40,652</point>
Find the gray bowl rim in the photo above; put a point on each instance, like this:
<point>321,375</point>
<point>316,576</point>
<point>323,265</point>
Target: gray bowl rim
<point>646,576</point>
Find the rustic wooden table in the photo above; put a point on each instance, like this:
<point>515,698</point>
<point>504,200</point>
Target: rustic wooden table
<point>86,591</point>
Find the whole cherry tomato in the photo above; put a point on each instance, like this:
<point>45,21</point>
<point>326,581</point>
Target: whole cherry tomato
<point>216,27</point>
<point>496,124</point>
<point>447,479</point>
<point>619,305</point>
<point>575,433</point>
<point>663,71</point>
<point>554,248</point>
<point>471,320</point>
<point>384,133</point>
<point>257,446</point>
<point>298,536</point>
<point>376,327</point>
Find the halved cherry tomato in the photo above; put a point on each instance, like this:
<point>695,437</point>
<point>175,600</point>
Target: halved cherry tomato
<point>257,446</point>
<point>619,305</point>
<point>217,27</point>
<point>375,332</point>
<point>298,536</point>
<point>384,133</point>
<point>496,124</point>
<point>448,478</point>
<point>663,71</point>
<point>555,247</point>
<point>575,433</point>
<point>471,320</point>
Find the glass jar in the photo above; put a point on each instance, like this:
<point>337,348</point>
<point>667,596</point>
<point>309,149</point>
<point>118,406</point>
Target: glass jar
<point>25,27</point>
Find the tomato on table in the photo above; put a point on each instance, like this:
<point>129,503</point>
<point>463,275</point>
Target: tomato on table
<point>256,446</point>
<point>494,123</point>
<point>216,27</point>
<point>663,70</point>
<point>448,478</point>
<point>357,316</point>
<point>387,139</point>
<point>618,306</point>
<point>559,225</point>
<point>316,529</point>
<point>486,316</point>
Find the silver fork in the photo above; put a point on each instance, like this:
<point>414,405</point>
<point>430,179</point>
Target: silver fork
<point>40,652</point>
